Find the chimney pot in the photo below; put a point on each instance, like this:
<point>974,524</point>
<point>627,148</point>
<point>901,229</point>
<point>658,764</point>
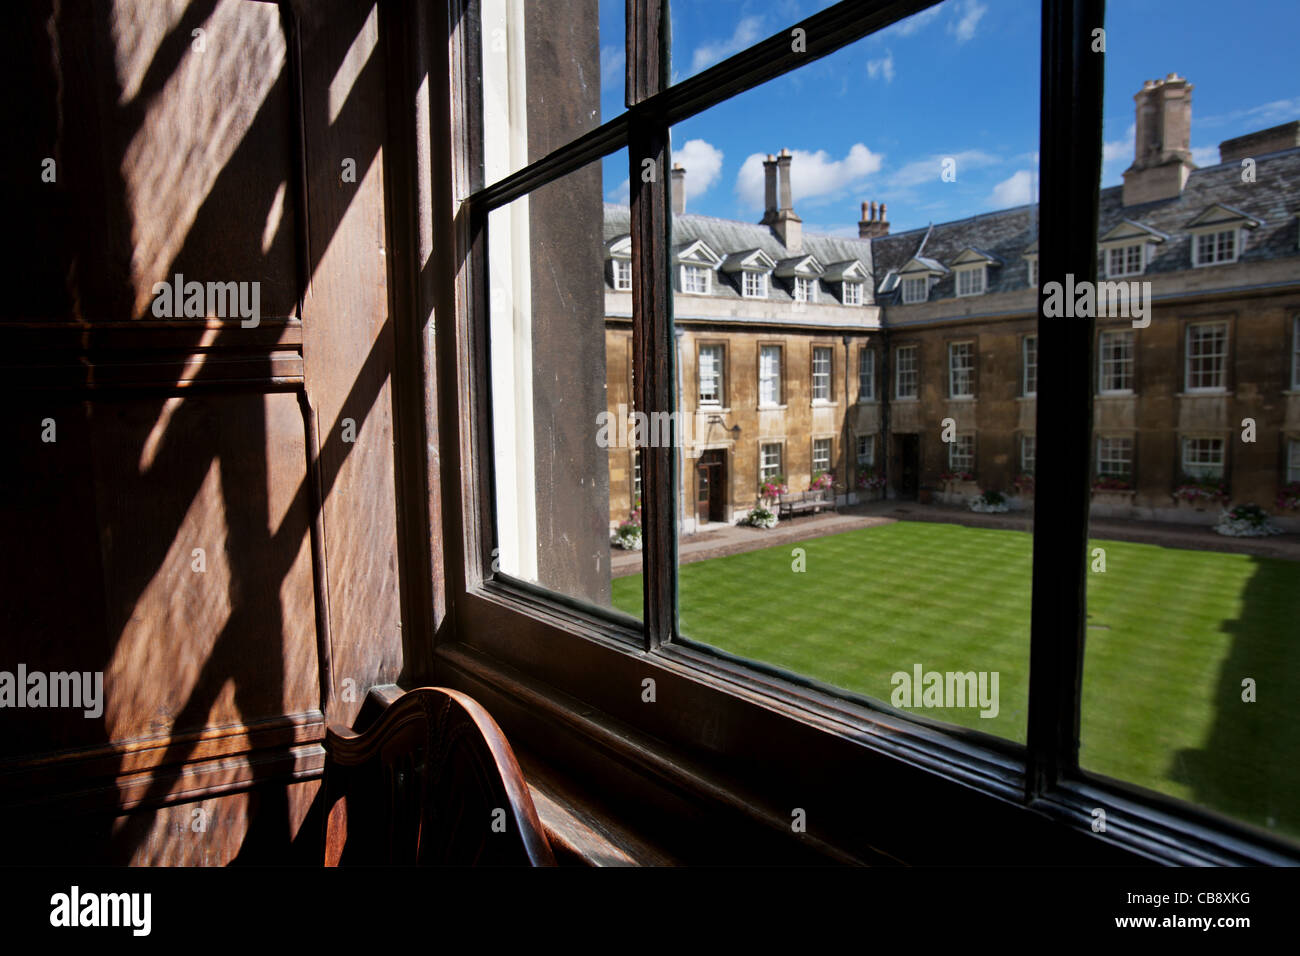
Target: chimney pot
<point>769,191</point>
<point>679,189</point>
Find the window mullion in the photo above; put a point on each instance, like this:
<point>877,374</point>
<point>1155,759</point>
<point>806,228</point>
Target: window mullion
<point>653,348</point>
<point>1070,149</point>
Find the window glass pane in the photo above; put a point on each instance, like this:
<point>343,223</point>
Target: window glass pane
<point>817,195</point>
<point>706,32</point>
<point>563,423</point>
<point>537,88</point>
<point>1190,682</point>
<point>1031,364</point>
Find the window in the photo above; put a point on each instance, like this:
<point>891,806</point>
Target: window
<point>1207,355</point>
<point>1203,457</point>
<point>1115,358</point>
<point>805,290</point>
<point>1214,247</point>
<point>1028,452</point>
<point>1124,260</point>
<point>622,275</point>
<point>754,285</point>
<point>916,289</point>
<point>852,293</point>
<point>769,464</point>
<point>905,372</point>
<point>1033,272</point>
<point>961,454</point>
<point>636,476</point>
<point>711,374</point>
<point>494,622</point>
<point>866,375</point>
<point>821,374</point>
<point>1293,461</point>
<point>970,281</point>
<point>821,455</point>
<point>961,370</point>
<point>867,452</point>
<point>1029,364</point>
<point>769,375</point>
<point>1114,457</point>
<point>695,279</point>
<point>1295,353</point>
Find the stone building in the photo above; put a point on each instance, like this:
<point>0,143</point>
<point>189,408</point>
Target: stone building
<point>1197,374</point>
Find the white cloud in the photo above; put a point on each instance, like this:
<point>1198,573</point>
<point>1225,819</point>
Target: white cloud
<point>918,21</point>
<point>612,59</point>
<point>884,67</point>
<point>1014,191</point>
<point>1267,114</point>
<point>1205,155</point>
<point>969,13</point>
<point>620,195</point>
<point>703,164</point>
<point>811,174</point>
<point>747,32</point>
<point>931,168</point>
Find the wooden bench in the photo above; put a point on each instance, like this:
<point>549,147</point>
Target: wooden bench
<point>807,502</point>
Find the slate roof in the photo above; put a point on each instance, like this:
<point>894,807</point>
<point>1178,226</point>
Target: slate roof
<point>1008,234</point>
<point>1274,197</point>
<point>727,236</point>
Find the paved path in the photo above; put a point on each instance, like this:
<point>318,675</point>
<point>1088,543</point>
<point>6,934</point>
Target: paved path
<point>735,539</point>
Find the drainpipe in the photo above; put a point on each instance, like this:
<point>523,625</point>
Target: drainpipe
<point>885,359</point>
<point>844,445</point>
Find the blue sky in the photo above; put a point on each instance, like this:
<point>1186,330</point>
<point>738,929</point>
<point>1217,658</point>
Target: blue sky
<point>875,120</point>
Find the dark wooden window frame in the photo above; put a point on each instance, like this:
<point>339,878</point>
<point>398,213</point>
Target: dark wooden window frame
<point>738,736</point>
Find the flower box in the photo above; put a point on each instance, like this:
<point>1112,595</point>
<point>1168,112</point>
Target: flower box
<point>958,491</point>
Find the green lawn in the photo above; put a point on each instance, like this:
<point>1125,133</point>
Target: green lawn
<point>1171,636</point>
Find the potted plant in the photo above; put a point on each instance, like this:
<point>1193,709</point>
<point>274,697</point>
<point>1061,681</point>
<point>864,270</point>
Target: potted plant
<point>958,486</point>
<point>771,489</point>
<point>871,482</point>
<point>1288,499</point>
<point>1199,494</point>
<point>989,502</point>
<point>761,518</point>
<point>822,480</point>
<point>1246,521</point>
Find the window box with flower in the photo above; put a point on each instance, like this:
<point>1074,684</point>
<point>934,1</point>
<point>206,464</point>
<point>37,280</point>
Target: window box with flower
<point>1113,496</point>
<point>871,484</point>
<point>957,487</point>
<point>1198,494</point>
<point>770,490</point>
<point>1288,498</point>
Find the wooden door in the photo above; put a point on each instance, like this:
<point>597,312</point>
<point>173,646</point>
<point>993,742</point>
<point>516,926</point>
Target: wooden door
<point>202,503</point>
<point>907,459</point>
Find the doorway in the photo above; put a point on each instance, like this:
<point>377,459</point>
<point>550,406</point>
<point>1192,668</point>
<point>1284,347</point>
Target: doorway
<point>907,465</point>
<point>711,487</point>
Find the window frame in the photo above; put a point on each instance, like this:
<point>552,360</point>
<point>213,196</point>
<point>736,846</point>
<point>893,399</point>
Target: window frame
<point>907,282</point>
<point>856,286</point>
<point>497,626</point>
<point>829,375</point>
<point>619,263</point>
<point>1192,469</point>
<point>1224,356</point>
<point>1026,365</point>
<point>969,272</point>
<point>1216,235</point>
<point>720,372</point>
<point>867,361</point>
<point>914,371</point>
<point>962,461</point>
<point>830,453</point>
<point>1130,361</point>
<point>1123,251</point>
<point>760,284</point>
<point>779,348</point>
<point>1104,457</point>
<point>870,458</point>
<point>778,468</point>
<point>970,370</point>
<point>693,268</point>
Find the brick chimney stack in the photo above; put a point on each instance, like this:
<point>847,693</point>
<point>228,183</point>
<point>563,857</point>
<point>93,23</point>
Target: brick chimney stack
<point>787,226</point>
<point>679,190</point>
<point>1162,150</point>
<point>769,176</point>
<point>874,222</point>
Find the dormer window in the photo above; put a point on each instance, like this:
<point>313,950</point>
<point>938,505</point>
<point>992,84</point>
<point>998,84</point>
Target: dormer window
<point>852,293</point>
<point>1218,235</point>
<point>970,281</point>
<point>1033,272</point>
<point>622,275</point>
<point>805,290</point>
<point>754,285</point>
<point>1212,248</point>
<point>695,279</point>
<point>1125,260</point>
<point>916,289</point>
